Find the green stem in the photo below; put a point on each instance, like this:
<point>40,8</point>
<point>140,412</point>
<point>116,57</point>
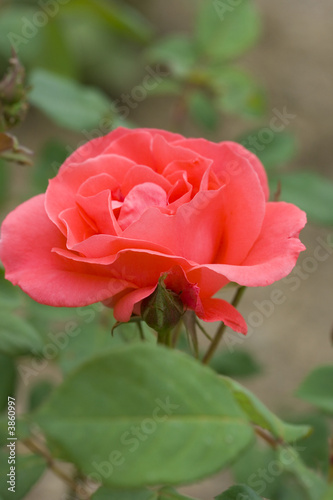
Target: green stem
<point>220,331</point>
<point>165,338</point>
<point>266,436</point>
<point>176,334</point>
<point>142,336</point>
<point>206,334</point>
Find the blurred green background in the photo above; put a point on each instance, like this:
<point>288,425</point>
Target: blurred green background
<point>253,71</point>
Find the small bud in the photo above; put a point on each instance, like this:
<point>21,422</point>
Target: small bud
<point>163,309</point>
<point>13,101</point>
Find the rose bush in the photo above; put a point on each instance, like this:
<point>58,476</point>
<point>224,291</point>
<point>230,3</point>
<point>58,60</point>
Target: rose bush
<point>134,205</point>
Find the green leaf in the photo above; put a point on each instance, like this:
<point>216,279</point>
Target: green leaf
<point>238,92</point>
<point>239,492</point>
<point>312,484</point>
<point>28,468</point>
<point>8,380</point>
<point>315,452</point>
<point>55,43</point>
<point>17,29</point>
<point>225,31</point>
<point>39,393</point>
<point>255,466</point>
<point>124,413</point>
<point>203,110</point>
<point>272,148</point>
<point>177,52</point>
<point>17,337</point>
<point>171,494</point>
<point>328,495</point>
<point>239,363</point>
<point>104,493</point>
<point>121,17</point>
<point>260,415</point>
<point>68,103</point>
<point>289,489</point>
<point>89,342</point>
<point>311,192</point>
<point>82,345</point>
<point>317,388</point>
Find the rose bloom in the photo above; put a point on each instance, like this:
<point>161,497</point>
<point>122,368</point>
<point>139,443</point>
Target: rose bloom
<point>135,205</point>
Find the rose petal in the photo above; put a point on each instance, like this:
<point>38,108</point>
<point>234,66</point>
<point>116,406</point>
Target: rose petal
<point>123,308</point>
<point>104,245</point>
<point>194,168</point>
<point>212,309</point>
<point>216,152</point>
<point>180,193</point>
<point>138,200</point>
<point>99,209</point>
<point>273,255</point>
<point>27,239</point>
<point>140,175</point>
<point>94,147</point>
<point>188,233</point>
<point>165,153</point>
<point>244,209</point>
<point>78,227</point>
<point>134,145</point>
<point>97,183</point>
<point>62,190</point>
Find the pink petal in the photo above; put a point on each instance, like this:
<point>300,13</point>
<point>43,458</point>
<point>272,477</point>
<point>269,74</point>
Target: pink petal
<point>138,200</point>
<point>97,183</point>
<point>194,168</point>
<point>78,227</point>
<point>195,232</point>
<point>216,152</point>
<point>274,254</point>
<point>98,208</point>
<point>135,145</point>
<point>141,174</point>
<point>105,246</point>
<point>244,209</point>
<point>180,193</point>
<point>62,190</point>
<point>27,239</point>
<point>165,153</point>
<point>220,310</point>
<point>123,308</point>
<point>94,147</point>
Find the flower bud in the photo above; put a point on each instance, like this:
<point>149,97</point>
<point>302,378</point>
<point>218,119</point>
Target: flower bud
<point>163,309</point>
<point>13,102</point>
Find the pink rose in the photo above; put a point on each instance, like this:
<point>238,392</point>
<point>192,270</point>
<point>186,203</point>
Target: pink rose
<point>126,208</point>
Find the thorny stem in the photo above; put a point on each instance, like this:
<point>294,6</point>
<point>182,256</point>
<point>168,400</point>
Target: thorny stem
<point>220,331</point>
<point>39,450</point>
